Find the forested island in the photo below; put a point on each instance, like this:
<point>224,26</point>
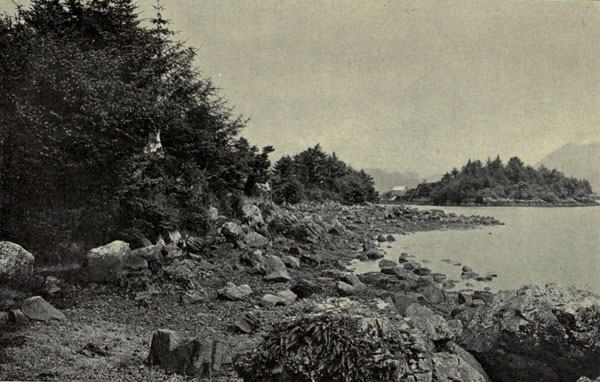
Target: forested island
<point>498,184</point>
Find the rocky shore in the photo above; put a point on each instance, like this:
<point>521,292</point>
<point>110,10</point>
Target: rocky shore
<point>220,307</point>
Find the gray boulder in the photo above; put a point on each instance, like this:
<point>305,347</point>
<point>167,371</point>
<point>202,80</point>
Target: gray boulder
<point>252,216</point>
<point>232,232</point>
<point>36,308</point>
<point>105,264</point>
<point>536,334</point>
<point>16,264</point>
<point>234,292</point>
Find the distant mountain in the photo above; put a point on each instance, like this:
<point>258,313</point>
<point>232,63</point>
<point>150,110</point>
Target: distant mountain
<point>385,181</point>
<point>580,160</point>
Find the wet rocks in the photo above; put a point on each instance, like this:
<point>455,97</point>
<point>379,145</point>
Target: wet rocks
<point>385,263</point>
<point>536,333</point>
<point>16,264</point>
<point>374,254</point>
<point>305,288</point>
<point>105,264</point>
<point>36,308</point>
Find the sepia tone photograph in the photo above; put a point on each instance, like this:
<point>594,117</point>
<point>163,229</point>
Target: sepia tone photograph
<point>300,191</point>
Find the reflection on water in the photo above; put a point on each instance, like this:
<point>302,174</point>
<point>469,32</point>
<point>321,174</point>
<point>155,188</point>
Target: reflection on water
<point>535,246</point>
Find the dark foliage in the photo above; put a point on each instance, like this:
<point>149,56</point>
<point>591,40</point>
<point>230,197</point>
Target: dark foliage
<point>84,87</point>
<point>315,175</point>
<point>478,183</point>
<point>327,347</point>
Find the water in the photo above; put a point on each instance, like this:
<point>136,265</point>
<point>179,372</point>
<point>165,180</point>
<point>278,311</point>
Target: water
<point>535,246</point>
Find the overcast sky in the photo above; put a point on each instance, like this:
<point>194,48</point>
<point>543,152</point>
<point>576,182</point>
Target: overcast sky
<point>402,85</point>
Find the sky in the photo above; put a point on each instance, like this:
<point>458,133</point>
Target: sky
<point>417,85</point>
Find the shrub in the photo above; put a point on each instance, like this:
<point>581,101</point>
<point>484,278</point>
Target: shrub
<point>325,347</point>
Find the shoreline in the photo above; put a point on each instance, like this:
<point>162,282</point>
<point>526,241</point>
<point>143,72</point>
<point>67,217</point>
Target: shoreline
<point>316,242</point>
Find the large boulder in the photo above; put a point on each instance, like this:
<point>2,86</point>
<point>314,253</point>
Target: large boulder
<point>36,308</point>
<point>16,264</point>
<point>536,334</point>
<point>105,264</point>
<point>252,216</point>
<point>233,232</point>
<point>173,352</point>
<point>256,240</point>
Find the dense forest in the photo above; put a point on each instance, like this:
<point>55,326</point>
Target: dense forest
<point>109,131</point>
<point>315,175</point>
<point>495,182</point>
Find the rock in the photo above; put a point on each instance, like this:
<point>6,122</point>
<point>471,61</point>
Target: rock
<point>270,300</point>
<point>105,264</point>
<point>345,289</point>
<point>280,276</point>
<point>205,265</point>
<point>422,271</point>
<point>536,334</point>
<point>233,292</point>
<point>450,367</point>
<point>289,296</point>
<point>269,264</point>
<point>252,216</point>
<point>438,277</point>
<point>173,353</point>
<point>448,284</point>
<point>430,291</point>
<point>403,257</point>
<point>430,323</point>
<point>291,262</point>
<point>246,323</point>
<point>381,238</point>
<point>390,238</point>
<point>256,240</point>
<point>189,298</point>
<point>172,251</point>
<point>134,263</point>
<point>402,302</point>
<point>464,298</point>
<point>151,253</point>
<point>36,308</point>
<point>194,244</point>
<point>296,251</point>
<point>232,232</point>
<point>51,286</point>
<point>16,264</point>
<point>374,254</point>
<point>305,288</point>
<point>353,280</point>
<point>411,266</point>
<point>385,263</point>
<point>310,260</point>
<point>17,317</point>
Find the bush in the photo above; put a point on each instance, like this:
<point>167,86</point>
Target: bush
<point>326,347</point>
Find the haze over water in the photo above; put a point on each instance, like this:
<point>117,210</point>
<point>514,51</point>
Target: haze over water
<point>535,246</point>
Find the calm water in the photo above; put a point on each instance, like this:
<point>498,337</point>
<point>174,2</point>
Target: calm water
<point>535,246</point>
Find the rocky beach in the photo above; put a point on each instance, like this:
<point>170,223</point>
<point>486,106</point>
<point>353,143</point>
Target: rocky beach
<point>213,306</point>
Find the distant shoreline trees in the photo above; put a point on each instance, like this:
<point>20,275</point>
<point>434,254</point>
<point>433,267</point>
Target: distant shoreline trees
<point>495,182</point>
<point>315,175</point>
